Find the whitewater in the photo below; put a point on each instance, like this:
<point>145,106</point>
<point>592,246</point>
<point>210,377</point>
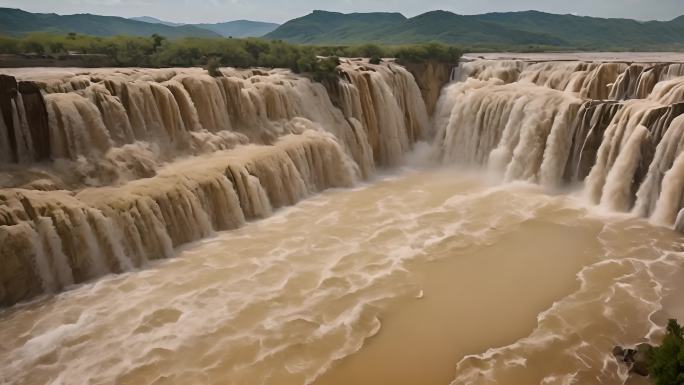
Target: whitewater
<point>168,227</point>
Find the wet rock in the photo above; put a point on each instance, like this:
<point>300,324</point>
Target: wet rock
<point>619,353</point>
<point>37,119</point>
<point>637,360</point>
<point>641,359</point>
<point>431,77</point>
<point>8,94</point>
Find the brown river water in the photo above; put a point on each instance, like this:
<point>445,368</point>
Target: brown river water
<point>421,277</point>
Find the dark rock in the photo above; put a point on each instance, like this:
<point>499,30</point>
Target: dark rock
<point>636,359</point>
<point>431,77</point>
<point>37,118</point>
<point>8,93</point>
<point>641,359</point>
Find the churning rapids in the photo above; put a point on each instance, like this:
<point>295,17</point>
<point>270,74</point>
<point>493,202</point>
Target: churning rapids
<point>169,227</point>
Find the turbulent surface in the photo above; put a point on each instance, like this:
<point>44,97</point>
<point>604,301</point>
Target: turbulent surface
<point>277,301</point>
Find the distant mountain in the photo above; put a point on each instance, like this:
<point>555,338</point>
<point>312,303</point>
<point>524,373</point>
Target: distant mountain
<point>508,29</point>
<point>592,31</point>
<point>154,20</point>
<point>451,28</point>
<point>237,28</point>
<point>322,27</point>
<point>16,22</point>
<point>500,31</point>
<point>240,28</point>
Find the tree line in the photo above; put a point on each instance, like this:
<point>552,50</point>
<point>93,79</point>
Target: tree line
<point>158,51</point>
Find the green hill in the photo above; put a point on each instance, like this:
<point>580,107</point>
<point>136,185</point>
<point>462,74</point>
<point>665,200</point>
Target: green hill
<point>322,27</point>
<point>447,27</point>
<point>583,31</point>
<point>15,22</point>
<point>508,29</point>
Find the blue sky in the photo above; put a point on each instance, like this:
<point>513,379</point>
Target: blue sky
<point>191,11</point>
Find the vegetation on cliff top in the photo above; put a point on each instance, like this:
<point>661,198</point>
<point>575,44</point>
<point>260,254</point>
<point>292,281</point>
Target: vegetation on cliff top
<point>157,51</point>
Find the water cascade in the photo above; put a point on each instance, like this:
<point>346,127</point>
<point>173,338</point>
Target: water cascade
<point>103,171</point>
<point>615,127</point>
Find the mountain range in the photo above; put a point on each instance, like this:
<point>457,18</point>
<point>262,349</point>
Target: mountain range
<point>491,29</point>
<point>15,22</point>
<point>508,30</point>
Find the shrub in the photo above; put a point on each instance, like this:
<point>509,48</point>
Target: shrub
<point>157,51</point>
<point>432,51</point>
<point>326,69</point>
<point>367,50</point>
<point>214,67</point>
<point>667,361</point>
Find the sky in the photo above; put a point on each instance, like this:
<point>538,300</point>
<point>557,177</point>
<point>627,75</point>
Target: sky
<point>279,11</point>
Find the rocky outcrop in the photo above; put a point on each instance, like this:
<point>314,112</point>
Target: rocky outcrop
<point>431,77</point>
<point>24,132</point>
<point>8,93</point>
<point>636,359</point>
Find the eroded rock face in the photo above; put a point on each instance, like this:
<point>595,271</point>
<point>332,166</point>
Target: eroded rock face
<point>431,77</point>
<point>24,132</point>
<point>36,118</point>
<point>8,93</point>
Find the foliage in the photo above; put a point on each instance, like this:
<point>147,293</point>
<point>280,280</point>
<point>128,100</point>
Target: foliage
<point>157,51</point>
<point>667,360</point>
<point>366,50</point>
<point>214,67</point>
<point>432,51</point>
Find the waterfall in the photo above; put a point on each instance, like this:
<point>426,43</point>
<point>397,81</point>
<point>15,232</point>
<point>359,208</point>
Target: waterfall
<point>387,102</point>
<point>106,170</point>
<point>613,127</point>
<point>519,130</point>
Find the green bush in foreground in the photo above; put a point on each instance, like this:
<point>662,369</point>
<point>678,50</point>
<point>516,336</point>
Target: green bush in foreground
<point>667,361</point>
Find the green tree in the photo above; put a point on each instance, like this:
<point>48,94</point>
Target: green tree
<point>667,360</point>
<point>157,41</point>
<point>9,45</point>
<point>368,50</point>
<point>32,45</point>
<point>214,66</point>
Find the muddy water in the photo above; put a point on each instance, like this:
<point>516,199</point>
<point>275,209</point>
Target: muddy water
<point>424,277</point>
